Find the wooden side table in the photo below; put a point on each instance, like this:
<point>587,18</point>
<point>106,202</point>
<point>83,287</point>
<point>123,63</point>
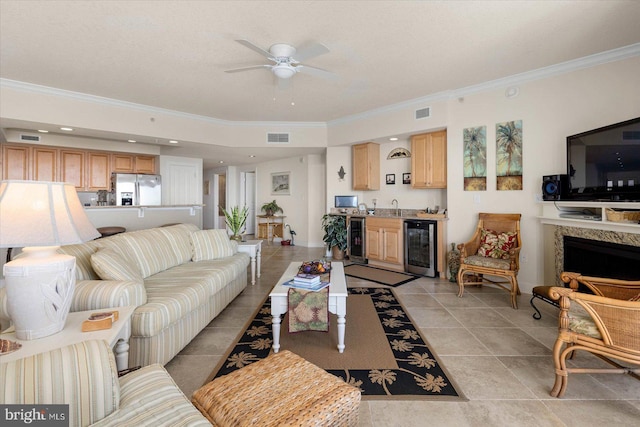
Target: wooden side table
<point>117,336</point>
<point>254,249</point>
<point>270,227</point>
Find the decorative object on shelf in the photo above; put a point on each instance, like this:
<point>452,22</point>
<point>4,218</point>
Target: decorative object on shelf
<point>235,220</point>
<point>271,208</point>
<point>474,164</point>
<point>509,155</point>
<point>391,178</point>
<point>335,234</point>
<point>399,153</point>
<point>42,216</point>
<point>280,183</point>
<point>341,173</point>
<point>406,178</point>
<point>453,261</point>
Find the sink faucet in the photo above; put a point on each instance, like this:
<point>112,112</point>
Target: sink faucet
<point>396,205</point>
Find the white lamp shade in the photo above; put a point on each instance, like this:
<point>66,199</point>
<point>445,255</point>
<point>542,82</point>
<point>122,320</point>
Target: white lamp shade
<point>38,213</point>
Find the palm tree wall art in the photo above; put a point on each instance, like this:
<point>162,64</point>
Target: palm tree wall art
<point>509,155</point>
<point>475,158</point>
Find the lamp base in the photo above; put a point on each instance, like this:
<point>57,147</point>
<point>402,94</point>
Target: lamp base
<point>39,293</point>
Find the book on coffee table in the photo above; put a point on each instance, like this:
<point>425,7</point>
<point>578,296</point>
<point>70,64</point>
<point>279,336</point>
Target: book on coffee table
<point>306,286</point>
<point>311,279</point>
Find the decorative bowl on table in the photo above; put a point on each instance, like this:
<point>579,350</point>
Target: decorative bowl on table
<point>315,267</point>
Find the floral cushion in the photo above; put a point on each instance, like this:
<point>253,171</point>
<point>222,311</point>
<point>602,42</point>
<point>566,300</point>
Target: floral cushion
<point>496,245</point>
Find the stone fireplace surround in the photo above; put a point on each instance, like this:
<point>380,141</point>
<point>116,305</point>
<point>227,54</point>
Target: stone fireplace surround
<point>618,237</point>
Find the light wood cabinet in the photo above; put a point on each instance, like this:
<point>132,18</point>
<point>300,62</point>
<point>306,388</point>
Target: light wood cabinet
<point>72,168</point>
<point>98,171</point>
<point>123,163</point>
<point>429,160</point>
<point>145,164</point>
<point>45,164</point>
<point>384,237</point>
<point>15,162</point>
<point>366,166</point>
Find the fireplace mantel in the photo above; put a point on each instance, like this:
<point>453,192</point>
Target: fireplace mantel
<point>551,211</point>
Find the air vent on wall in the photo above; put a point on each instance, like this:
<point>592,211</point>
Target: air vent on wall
<point>631,135</point>
<point>423,113</point>
<point>30,138</point>
<point>277,138</point>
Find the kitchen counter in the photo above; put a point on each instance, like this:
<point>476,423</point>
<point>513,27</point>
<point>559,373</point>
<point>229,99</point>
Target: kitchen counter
<point>390,213</point>
<point>147,207</point>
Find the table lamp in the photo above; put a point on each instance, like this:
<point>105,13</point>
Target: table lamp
<point>39,217</point>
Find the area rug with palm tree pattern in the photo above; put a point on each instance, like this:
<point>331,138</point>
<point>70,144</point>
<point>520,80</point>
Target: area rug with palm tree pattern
<point>386,356</point>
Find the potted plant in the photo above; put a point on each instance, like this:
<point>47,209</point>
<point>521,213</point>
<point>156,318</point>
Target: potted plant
<point>335,234</point>
<point>271,208</point>
<point>236,220</point>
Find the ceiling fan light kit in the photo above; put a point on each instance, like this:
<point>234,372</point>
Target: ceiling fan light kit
<point>287,59</point>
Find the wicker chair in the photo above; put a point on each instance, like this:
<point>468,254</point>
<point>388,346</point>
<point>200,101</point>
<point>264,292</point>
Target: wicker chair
<point>476,261</point>
<point>606,324</point>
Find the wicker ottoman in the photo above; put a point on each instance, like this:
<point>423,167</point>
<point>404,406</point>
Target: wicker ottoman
<point>281,390</point>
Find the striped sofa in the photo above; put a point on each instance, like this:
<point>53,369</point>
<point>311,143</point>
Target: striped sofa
<point>84,376</point>
<point>179,278</point>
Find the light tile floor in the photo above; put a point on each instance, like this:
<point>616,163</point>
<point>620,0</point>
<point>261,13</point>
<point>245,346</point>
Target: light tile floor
<point>500,358</point>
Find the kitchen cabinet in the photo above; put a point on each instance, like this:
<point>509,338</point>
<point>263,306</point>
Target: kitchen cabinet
<point>366,166</point>
<point>15,162</point>
<point>72,168</point>
<point>429,160</point>
<point>123,163</point>
<point>145,164</point>
<point>45,164</point>
<point>98,171</point>
<point>384,237</point>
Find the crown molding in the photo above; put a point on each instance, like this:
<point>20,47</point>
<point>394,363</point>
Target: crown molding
<point>516,79</point>
<point>94,99</point>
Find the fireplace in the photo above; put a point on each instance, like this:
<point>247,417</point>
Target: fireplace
<point>599,253</point>
<point>601,259</point>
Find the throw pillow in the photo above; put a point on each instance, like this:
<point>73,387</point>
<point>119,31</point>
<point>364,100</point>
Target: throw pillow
<point>110,265</point>
<point>210,244</point>
<point>496,245</point>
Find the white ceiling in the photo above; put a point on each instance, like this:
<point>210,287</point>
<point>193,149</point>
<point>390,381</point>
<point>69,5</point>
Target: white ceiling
<point>172,54</point>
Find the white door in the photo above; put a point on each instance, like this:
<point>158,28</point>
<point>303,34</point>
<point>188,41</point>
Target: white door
<point>250,200</point>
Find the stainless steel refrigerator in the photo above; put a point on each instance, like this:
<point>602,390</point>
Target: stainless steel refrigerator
<point>131,189</point>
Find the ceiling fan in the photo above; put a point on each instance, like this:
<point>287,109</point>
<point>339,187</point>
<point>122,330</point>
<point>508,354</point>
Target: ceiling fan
<point>287,60</point>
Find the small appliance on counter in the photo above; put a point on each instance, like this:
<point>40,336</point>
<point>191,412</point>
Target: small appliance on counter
<point>130,189</point>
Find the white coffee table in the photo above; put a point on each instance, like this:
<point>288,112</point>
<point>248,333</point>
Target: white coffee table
<point>117,336</point>
<point>254,249</point>
<point>337,300</point>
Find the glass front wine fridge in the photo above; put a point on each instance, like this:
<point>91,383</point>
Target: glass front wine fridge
<point>420,247</point>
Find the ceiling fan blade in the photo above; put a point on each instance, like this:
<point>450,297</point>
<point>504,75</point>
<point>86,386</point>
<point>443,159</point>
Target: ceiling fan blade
<point>309,51</point>
<point>255,48</point>
<point>253,67</point>
<point>315,71</point>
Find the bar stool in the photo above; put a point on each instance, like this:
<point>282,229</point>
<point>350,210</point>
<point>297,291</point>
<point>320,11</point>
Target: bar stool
<point>110,231</point>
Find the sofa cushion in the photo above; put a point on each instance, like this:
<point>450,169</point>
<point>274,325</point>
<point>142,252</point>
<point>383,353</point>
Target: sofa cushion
<point>482,261</point>
<point>210,244</point>
<point>83,375</point>
<point>173,294</point>
<point>82,252</point>
<point>110,265</point>
<point>496,245</point>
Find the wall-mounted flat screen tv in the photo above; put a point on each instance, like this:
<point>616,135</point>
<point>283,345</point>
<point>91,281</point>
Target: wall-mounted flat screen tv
<point>604,163</point>
<point>346,201</point>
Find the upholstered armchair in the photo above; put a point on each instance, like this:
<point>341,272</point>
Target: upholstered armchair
<point>493,250</point>
<point>606,324</point>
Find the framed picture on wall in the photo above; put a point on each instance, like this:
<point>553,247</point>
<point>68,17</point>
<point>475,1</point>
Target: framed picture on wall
<point>406,178</point>
<point>280,183</point>
<point>391,179</point>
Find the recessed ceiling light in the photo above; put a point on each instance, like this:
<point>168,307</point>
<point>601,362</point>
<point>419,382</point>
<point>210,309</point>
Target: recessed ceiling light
<point>43,131</point>
<point>132,140</point>
<point>67,129</point>
<point>221,161</point>
<point>252,155</point>
<point>393,139</point>
<point>173,141</point>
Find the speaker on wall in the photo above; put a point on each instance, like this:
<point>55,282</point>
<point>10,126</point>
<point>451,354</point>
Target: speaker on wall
<point>555,187</point>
